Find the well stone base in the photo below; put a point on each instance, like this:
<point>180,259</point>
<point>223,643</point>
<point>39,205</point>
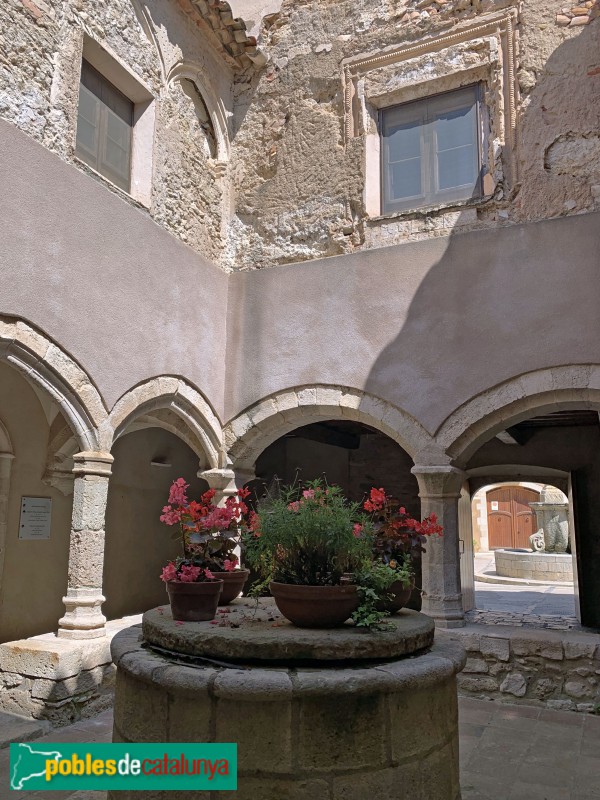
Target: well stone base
<point>387,730</point>
<point>534,566</point>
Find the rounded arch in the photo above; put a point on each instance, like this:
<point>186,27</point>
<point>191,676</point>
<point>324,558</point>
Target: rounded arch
<point>214,104</point>
<point>47,365</point>
<point>188,415</point>
<point>248,434</point>
<point>542,391</point>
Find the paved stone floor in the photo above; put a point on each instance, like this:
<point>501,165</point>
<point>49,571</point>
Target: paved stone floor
<point>507,753</point>
<point>545,606</point>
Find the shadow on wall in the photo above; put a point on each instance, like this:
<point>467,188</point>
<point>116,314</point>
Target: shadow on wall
<point>483,314</point>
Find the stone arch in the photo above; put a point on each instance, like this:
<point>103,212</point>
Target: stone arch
<point>191,417</point>
<point>45,364</point>
<point>539,392</point>
<point>214,104</point>
<point>248,434</point>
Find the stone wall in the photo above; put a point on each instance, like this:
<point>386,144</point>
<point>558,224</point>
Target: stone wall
<point>43,44</point>
<point>260,166</point>
<point>302,183</point>
<point>556,669</point>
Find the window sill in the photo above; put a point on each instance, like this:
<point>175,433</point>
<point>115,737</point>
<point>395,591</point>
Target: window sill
<point>428,211</point>
<point>82,165</point>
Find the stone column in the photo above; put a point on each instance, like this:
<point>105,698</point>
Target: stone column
<point>225,481</point>
<point>83,618</point>
<point>439,490</point>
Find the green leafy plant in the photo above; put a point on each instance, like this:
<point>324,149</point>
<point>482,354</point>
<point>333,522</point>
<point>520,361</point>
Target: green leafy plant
<point>374,582</point>
<point>309,535</point>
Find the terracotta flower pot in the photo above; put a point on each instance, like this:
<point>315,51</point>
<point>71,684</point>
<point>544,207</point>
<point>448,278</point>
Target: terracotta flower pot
<point>233,584</point>
<point>194,602</point>
<point>315,606</point>
<point>399,598</point>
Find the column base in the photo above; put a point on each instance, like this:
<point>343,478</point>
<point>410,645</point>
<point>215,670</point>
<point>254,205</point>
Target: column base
<point>449,623</point>
<point>83,618</point>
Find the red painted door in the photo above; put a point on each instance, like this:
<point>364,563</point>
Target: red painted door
<point>510,520</point>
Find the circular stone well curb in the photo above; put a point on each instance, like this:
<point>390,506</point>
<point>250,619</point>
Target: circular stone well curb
<point>248,634</point>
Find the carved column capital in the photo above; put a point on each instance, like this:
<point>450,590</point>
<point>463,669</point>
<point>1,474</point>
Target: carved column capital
<point>439,482</point>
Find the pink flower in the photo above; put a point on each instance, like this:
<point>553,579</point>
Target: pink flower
<point>177,495</point>
<point>357,529</point>
<point>208,575</point>
<point>169,573</point>
<point>294,506</point>
<point>170,516</point>
<point>219,519</point>
<point>189,573</point>
<point>308,494</point>
<point>230,564</point>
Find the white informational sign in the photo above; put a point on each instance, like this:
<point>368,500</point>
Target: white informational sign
<point>36,516</point>
<point>494,505</point>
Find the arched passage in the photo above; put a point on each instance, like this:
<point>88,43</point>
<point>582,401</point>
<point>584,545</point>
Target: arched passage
<point>350,438</point>
<point>42,386</point>
<point>547,420</point>
<point>163,430</point>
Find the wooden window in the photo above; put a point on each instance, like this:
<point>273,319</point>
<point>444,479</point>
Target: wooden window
<point>104,127</point>
<point>431,151</point>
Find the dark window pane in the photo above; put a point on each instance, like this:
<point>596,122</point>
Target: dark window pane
<point>405,179</point>
<point>431,150</point>
<point>457,167</point>
<point>404,141</point>
<point>456,128</point>
<point>104,127</point>
<point>87,121</point>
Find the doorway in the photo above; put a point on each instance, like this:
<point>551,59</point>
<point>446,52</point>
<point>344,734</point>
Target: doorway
<point>511,521</point>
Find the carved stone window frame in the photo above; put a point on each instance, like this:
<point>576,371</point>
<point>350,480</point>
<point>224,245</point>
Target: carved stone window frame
<point>144,117</point>
<point>498,32</point>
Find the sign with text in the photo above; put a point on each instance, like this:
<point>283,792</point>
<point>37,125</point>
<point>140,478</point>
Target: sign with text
<point>105,767</point>
<point>36,518</point>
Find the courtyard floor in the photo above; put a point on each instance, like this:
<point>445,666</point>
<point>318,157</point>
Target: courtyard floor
<point>507,752</point>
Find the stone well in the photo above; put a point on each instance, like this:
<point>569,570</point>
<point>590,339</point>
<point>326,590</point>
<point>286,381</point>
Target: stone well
<point>344,714</point>
<point>534,566</point>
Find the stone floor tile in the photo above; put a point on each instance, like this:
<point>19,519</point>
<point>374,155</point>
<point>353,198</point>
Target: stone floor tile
<point>471,729</point>
<point>562,717</point>
<point>544,772</point>
<point>482,716</point>
<point>478,786</point>
<point>525,791</point>
<point>590,747</point>
<point>511,712</point>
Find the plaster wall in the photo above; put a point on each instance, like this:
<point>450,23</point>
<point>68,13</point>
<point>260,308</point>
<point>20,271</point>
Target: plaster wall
<point>138,545</point>
<point>124,298</point>
<point>34,577</point>
<point>425,325</point>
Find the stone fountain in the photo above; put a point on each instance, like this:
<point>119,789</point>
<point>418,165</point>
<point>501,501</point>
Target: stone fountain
<point>548,560</point>
<point>317,714</point>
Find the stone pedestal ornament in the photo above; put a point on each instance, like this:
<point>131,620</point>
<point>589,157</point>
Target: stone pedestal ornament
<point>552,514</point>
<point>439,490</point>
<point>83,618</point>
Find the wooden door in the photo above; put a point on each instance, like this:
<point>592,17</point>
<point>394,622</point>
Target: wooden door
<point>499,506</point>
<point>524,519</point>
<point>510,520</point>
